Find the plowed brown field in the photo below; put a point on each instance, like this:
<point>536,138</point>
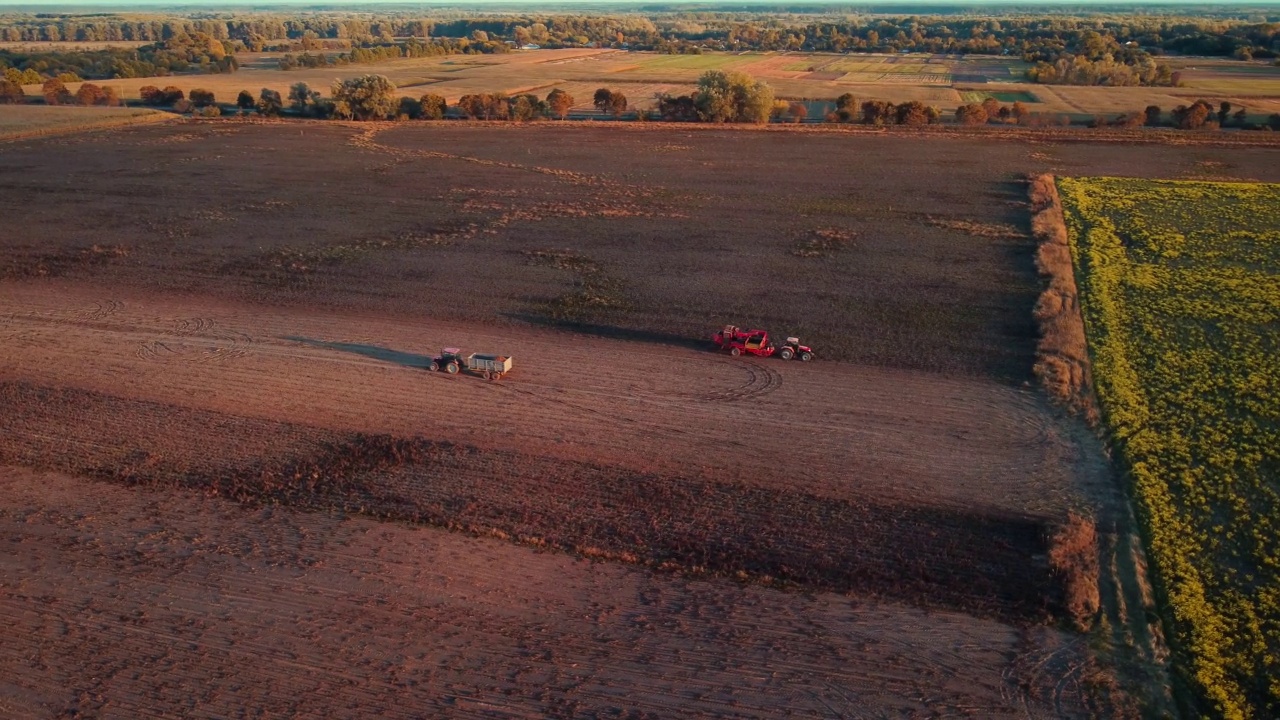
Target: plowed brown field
<point>230,487</point>
<point>701,470</point>
<point>121,603</point>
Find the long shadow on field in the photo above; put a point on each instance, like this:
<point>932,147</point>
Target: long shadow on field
<point>973,560</point>
<point>369,351</point>
<point>613,332</point>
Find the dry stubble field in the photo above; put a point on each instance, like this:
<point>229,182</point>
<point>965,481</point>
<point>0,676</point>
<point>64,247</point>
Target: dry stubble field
<point>198,313</point>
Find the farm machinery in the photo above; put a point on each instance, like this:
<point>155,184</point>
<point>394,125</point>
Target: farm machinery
<point>793,349</point>
<point>737,341</point>
<point>490,367</point>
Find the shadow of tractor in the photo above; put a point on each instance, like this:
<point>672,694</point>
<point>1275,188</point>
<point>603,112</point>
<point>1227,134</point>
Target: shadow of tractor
<point>369,351</point>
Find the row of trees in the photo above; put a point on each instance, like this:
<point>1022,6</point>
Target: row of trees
<point>55,92</point>
<point>994,31</point>
<point>393,51</point>
<point>185,53</point>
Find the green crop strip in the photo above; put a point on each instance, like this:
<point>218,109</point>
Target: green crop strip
<point>1180,291</point>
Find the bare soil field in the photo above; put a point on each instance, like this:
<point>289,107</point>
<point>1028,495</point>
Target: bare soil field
<point>219,439</point>
<point>846,240</point>
<point>122,603</point>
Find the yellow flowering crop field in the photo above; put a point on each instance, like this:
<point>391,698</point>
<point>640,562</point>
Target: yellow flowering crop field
<point>1180,290</point>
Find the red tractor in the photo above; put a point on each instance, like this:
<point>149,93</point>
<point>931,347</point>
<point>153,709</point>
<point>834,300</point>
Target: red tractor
<point>738,341</point>
<point>793,349</point>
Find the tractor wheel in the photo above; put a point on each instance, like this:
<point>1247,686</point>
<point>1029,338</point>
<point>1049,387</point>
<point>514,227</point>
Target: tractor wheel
<point>735,352</point>
<point>434,366</point>
<point>806,356</point>
<point>451,368</point>
<point>786,353</point>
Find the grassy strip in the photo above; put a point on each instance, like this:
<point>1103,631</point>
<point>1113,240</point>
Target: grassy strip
<point>23,122</point>
<point>1181,297</point>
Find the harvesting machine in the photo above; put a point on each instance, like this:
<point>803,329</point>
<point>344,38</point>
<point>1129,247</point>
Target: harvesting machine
<point>736,341</point>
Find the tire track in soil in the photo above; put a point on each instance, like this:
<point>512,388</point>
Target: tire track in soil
<point>196,340</point>
<point>761,380</point>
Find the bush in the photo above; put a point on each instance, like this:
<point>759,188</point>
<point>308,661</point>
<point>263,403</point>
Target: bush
<point>183,106</point>
<point>171,94</point>
<point>433,107</point>
<point>732,97</point>
<point>1073,555</point>
<point>971,114</point>
<point>559,103</point>
<point>369,97</point>
<point>270,103</point>
<point>11,93</point>
<point>409,109</point>
<point>55,92</point>
<point>244,100</point>
<point>88,94</point>
<point>202,98</point>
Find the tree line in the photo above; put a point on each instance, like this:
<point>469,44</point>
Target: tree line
<point>1090,48</point>
<point>720,97</point>
<point>394,51</point>
<point>184,53</point>
<point>1209,32</point>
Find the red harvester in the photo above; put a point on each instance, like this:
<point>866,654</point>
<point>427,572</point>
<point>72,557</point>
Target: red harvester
<point>738,341</point>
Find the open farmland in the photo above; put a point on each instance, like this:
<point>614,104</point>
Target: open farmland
<point>1180,291</point>
<point>220,443</point>
<point>945,81</point>
<point>19,121</point>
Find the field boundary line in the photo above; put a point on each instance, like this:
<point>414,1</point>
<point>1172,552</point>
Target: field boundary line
<point>1062,356</point>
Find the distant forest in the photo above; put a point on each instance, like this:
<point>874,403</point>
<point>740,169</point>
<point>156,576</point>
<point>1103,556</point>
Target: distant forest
<point>1086,49</point>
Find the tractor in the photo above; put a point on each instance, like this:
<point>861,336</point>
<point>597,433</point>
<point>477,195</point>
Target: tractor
<point>737,341</point>
<point>490,367</point>
<point>793,349</point>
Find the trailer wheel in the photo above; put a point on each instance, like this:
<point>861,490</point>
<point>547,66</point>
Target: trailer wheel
<point>806,357</point>
<point>735,352</point>
<point>495,376</point>
<point>451,368</point>
<point>487,375</point>
<point>786,353</point>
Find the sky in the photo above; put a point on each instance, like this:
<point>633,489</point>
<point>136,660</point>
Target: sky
<point>75,6</point>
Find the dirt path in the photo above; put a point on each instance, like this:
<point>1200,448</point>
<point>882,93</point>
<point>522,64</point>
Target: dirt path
<point>130,603</point>
<point>830,429</point>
